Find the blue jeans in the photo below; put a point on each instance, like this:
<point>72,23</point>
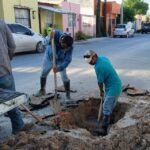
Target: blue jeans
<point>48,64</point>
<point>7,82</point>
<point>109,104</point>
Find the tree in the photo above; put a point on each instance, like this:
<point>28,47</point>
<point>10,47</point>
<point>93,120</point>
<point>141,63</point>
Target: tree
<point>134,7</point>
<point>128,14</point>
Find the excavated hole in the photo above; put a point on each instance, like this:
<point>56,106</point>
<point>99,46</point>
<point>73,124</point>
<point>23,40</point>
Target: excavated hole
<point>85,115</point>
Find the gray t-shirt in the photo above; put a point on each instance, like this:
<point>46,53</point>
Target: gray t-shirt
<point>7,47</point>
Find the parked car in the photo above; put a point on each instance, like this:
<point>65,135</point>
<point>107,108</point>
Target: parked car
<point>124,30</point>
<point>26,39</point>
<point>145,28</point>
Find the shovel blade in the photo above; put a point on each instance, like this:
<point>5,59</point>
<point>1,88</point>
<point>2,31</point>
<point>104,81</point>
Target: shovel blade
<point>55,104</point>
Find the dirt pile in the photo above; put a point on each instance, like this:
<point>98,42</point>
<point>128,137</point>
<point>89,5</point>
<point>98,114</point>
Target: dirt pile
<point>130,129</point>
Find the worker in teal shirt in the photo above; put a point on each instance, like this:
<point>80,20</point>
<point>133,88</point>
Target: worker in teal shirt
<point>108,78</point>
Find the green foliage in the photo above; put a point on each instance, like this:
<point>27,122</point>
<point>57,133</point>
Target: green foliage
<point>81,36</point>
<point>134,7</point>
<point>138,6</point>
<point>128,14</point>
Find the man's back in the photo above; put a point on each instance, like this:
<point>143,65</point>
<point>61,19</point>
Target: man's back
<point>106,74</point>
<point>7,47</point>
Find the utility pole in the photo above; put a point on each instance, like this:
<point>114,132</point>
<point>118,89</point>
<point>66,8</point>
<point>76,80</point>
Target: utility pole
<point>121,13</point>
<point>98,21</point>
<point>104,12</point>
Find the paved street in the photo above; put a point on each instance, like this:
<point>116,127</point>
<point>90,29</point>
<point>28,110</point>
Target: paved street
<point>129,56</point>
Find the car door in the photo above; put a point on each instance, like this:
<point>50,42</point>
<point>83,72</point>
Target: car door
<point>16,37</point>
<point>23,38</point>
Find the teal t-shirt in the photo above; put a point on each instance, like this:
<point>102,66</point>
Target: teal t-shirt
<point>106,74</point>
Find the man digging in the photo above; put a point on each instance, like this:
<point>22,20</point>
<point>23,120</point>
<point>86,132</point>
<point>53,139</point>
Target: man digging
<point>64,48</point>
<point>107,77</point>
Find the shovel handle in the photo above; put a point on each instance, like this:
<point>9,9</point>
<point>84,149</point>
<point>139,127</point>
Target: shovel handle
<point>54,64</point>
<point>100,110</point>
<point>32,114</point>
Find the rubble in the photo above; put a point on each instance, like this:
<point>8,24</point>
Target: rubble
<point>70,130</point>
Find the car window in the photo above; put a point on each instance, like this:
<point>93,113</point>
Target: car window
<point>19,29</point>
<point>147,24</point>
<point>10,28</point>
<point>120,26</point>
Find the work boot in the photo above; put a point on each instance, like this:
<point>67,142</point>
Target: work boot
<point>42,91</point>
<point>67,89</point>
<point>103,130</point>
<point>105,124</point>
<point>26,128</point>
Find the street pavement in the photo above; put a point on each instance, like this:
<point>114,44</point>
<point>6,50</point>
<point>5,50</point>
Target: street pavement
<point>129,56</point>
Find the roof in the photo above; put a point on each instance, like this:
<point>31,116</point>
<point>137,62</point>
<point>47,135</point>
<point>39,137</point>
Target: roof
<point>56,10</point>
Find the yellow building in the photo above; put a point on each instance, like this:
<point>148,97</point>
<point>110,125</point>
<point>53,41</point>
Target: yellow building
<point>20,11</point>
<point>50,13</point>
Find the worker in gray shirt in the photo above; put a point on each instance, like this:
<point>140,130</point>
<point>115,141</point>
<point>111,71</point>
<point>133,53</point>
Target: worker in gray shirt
<point>7,47</point>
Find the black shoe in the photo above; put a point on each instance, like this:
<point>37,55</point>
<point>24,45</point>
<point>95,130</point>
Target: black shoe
<point>67,89</point>
<point>41,92</point>
<point>27,127</point>
<point>99,132</point>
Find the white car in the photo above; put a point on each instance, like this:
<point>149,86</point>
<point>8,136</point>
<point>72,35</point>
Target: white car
<point>123,30</point>
<point>26,39</point>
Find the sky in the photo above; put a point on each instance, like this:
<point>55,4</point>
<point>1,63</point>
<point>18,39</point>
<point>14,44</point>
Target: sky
<point>147,1</point>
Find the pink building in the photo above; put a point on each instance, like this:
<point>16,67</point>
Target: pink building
<point>71,21</point>
<point>71,15</point>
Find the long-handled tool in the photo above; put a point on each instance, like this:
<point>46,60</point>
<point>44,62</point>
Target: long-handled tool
<point>39,119</point>
<point>96,130</point>
<point>100,110</point>
<point>55,102</point>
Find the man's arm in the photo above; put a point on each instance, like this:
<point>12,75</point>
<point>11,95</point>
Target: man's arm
<point>10,42</point>
<point>101,89</point>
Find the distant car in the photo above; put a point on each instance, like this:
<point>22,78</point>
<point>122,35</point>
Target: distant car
<point>26,39</point>
<point>123,30</point>
<point>145,28</point>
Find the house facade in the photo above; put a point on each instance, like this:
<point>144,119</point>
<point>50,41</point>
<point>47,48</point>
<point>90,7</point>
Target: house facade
<point>112,9</point>
<point>72,15</point>
<point>20,11</point>
<point>87,19</point>
<point>62,15</point>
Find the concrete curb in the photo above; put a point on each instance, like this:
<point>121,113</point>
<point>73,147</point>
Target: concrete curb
<point>90,40</point>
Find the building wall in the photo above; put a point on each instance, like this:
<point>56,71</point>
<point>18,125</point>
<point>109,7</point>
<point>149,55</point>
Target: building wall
<point>58,21</point>
<point>112,9</point>
<point>46,18</point>
<point>1,10</point>
<point>73,8</point>
<point>87,19</point>
<point>9,13</point>
<point>88,25</point>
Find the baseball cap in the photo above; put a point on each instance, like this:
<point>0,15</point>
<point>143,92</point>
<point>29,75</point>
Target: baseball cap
<point>88,55</point>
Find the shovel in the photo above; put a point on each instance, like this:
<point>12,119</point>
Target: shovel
<point>100,111</point>
<point>95,131</point>
<point>55,102</point>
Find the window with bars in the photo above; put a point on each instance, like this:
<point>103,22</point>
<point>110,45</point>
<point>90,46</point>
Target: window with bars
<point>22,16</point>
<point>71,20</point>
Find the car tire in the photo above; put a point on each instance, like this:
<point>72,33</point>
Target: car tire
<point>127,36</point>
<point>39,47</point>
